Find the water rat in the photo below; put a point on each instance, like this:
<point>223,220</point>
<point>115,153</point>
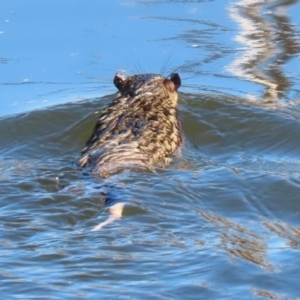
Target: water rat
<point>139,129</point>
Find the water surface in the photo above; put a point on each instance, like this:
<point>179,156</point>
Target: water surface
<point>221,222</point>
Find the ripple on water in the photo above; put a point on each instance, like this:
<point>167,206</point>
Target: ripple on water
<point>225,211</point>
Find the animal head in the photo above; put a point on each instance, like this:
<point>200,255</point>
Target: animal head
<point>149,84</point>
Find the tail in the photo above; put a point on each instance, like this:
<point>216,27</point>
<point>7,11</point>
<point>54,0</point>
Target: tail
<point>115,214</point>
<point>115,207</point>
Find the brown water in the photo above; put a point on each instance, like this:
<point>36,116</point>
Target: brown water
<point>222,222</point>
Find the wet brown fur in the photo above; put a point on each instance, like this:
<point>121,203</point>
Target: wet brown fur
<point>139,129</point>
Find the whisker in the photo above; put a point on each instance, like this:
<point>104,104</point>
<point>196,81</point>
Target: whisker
<point>182,66</point>
<point>190,77</point>
<point>138,66</point>
<point>166,62</point>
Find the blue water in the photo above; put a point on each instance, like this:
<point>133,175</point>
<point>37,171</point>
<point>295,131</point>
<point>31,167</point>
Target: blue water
<point>222,221</point>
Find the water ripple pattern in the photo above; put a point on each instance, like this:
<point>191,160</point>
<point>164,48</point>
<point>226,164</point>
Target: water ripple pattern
<point>221,222</point>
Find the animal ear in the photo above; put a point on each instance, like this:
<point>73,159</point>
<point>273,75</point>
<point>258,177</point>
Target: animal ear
<point>174,77</point>
<point>119,81</point>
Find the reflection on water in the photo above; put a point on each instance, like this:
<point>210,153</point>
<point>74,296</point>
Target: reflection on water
<point>239,241</point>
<point>268,295</point>
<point>221,222</point>
<point>291,234</point>
<point>192,229</point>
<point>270,41</point>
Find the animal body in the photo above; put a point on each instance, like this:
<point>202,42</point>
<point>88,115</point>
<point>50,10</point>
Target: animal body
<point>139,129</point>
